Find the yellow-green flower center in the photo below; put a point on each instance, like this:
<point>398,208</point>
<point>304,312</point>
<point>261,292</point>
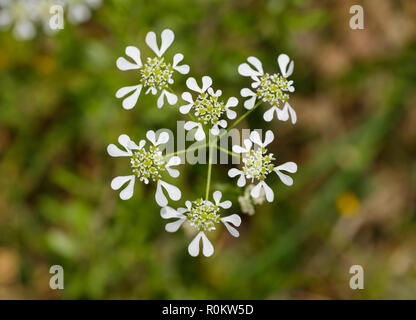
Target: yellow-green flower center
<point>203,215</point>
<point>156,73</point>
<point>207,108</point>
<point>257,164</point>
<point>148,164</point>
<point>273,89</point>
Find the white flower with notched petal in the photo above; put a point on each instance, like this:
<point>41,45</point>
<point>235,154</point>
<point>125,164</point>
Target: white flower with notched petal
<point>146,164</point>
<point>156,74</point>
<point>258,164</point>
<point>203,215</point>
<point>206,107</point>
<point>271,88</point>
<point>79,11</point>
<point>22,14</point>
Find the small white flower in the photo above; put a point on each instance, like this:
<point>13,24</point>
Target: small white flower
<point>247,202</point>
<point>156,74</point>
<point>79,11</point>
<point>23,14</point>
<point>146,164</point>
<point>202,215</point>
<point>206,107</point>
<point>258,165</point>
<point>271,88</point>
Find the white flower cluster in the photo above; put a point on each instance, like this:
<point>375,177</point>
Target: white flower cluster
<point>209,114</point>
<point>24,15</point>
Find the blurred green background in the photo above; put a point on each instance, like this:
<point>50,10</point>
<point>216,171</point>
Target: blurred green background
<point>353,201</point>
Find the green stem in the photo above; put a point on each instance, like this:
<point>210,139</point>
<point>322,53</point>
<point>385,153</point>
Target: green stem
<point>209,168</point>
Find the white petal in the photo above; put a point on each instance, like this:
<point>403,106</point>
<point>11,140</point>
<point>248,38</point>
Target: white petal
<point>151,136</point>
<point>193,85</point>
<point>255,192</point>
<point>248,144</point>
<point>115,151</point>
<point>235,220</point>
<point>217,196</point>
<point>118,182</point>
<point>167,39</point>
<point>292,113</point>
<point>239,149</point>
<point>207,247</point>
<point>184,69</point>
<point>246,92</point>
<point>187,97</point>
<point>285,68</point>
<point>176,59</point>
<point>269,138</point>
<point>268,191</point>
<point>199,134</point>
<point>160,198</point>
<point>185,108</point>
<point>189,125</point>
<point>256,63</point>
<point>173,161</point>
<point>284,178</point>
<point>174,173</point>
<point>225,204</point>
<point>247,71</point>
<point>233,172</point>
<point>249,103</point>
<point>163,138</point>
<point>169,213</point>
<point>133,53</point>
<point>174,226</point>
<point>288,166</point>
<point>222,123</point>
<point>215,131</point>
<point>283,115</point>
<point>241,182</point>
<point>193,247</point>
<point>171,97</point>
<point>232,102</point>
<point>173,192</point>
<point>255,137</point>
<point>206,83</point>
<point>130,101</point>
<point>133,146</point>
<point>231,114</point>
<point>268,115</point>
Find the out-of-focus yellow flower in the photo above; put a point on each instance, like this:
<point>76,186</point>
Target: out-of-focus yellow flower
<point>347,203</point>
<point>45,64</point>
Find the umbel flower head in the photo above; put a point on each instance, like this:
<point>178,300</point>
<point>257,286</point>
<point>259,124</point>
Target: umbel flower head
<point>22,14</point>
<point>203,215</point>
<point>156,74</point>
<point>258,164</point>
<point>147,164</point>
<point>271,88</point>
<point>206,107</point>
